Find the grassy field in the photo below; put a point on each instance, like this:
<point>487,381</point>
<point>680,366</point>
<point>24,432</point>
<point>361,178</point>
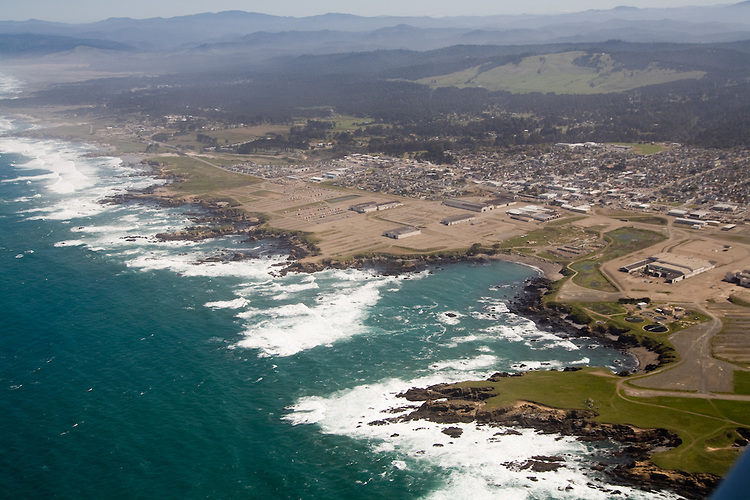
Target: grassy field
<point>740,300</point>
<point>560,233</point>
<point>606,308</point>
<point>627,240</point>
<point>741,382</point>
<point>244,134</point>
<point>588,275</point>
<point>201,177</point>
<point>621,242</point>
<point>647,219</point>
<point>707,429</point>
<point>558,73</point>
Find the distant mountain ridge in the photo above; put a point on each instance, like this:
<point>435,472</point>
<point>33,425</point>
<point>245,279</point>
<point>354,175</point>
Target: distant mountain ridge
<point>685,24</point>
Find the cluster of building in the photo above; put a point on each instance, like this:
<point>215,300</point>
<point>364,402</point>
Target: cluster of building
<point>480,206</point>
<point>574,177</point>
<point>742,278</point>
<point>669,266</point>
<point>371,206</point>
<point>698,219</point>
<point>530,213</point>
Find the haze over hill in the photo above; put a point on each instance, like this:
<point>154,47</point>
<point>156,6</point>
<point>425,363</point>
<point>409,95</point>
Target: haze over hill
<point>235,31</point>
<point>238,67</point>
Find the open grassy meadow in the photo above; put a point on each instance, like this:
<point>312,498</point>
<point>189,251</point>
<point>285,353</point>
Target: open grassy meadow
<point>707,428</point>
<point>201,177</point>
<point>560,74</point>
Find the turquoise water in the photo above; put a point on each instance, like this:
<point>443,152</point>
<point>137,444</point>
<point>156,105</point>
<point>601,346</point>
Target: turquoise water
<point>129,369</point>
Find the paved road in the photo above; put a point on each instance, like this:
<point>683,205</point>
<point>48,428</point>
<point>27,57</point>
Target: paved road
<point>697,371</point>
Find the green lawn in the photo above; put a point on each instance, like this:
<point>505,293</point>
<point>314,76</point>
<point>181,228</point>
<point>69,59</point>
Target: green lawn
<point>589,276</point>
<point>559,73</point>
<point>706,428</point>
<point>201,178</point>
<point>741,382</point>
<point>627,240</point>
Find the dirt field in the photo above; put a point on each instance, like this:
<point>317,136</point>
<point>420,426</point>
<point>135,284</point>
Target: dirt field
<point>343,233</point>
<point>733,342</point>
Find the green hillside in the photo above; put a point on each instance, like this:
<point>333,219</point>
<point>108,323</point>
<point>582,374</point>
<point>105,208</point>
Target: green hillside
<point>562,73</point>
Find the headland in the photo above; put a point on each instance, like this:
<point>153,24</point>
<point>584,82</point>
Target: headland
<point>691,359</point>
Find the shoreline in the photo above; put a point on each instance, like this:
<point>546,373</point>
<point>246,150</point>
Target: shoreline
<point>223,221</point>
<point>447,404</point>
<point>299,251</point>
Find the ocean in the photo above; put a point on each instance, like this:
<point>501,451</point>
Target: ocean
<point>135,368</point>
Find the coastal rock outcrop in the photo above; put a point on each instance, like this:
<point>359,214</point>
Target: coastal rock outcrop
<point>448,404</point>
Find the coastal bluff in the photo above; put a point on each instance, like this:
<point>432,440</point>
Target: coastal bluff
<point>452,404</point>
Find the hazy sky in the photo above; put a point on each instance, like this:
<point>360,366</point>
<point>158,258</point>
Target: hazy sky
<point>95,10</point>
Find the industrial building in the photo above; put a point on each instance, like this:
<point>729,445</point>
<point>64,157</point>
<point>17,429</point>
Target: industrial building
<point>364,208</point>
<point>474,206</point>
<point>532,212</point>
<point>402,232</point>
<point>695,224</point>
<point>371,206</point>
<point>742,278</point>
<point>670,266</point>
<point>457,219</point>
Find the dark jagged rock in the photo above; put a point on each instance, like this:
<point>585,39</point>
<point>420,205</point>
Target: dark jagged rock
<point>543,464</point>
<point>691,485</point>
<point>448,404</point>
<point>454,432</point>
<point>446,390</point>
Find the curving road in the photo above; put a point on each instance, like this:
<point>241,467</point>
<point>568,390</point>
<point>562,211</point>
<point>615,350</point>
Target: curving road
<point>698,374</point>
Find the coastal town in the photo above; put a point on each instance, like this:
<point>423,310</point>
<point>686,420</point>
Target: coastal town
<point>643,245</point>
<point>712,183</point>
<point>322,254</point>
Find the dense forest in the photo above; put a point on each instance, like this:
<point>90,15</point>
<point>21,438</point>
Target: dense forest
<point>713,111</point>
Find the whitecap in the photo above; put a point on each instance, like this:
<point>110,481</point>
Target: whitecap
<point>311,321</point>
<point>237,303</point>
<point>483,462</point>
<point>449,317</point>
<point>70,243</point>
<point>467,364</point>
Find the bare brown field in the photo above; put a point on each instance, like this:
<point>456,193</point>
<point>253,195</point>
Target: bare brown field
<point>342,233</point>
<point>732,344</point>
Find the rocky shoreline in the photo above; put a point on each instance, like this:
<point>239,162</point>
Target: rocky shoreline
<point>447,404</point>
<point>529,304</point>
<point>218,219</point>
<point>442,403</point>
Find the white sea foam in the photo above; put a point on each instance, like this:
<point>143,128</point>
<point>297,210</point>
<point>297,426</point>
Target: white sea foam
<point>449,317</point>
<point>279,290</point>
<point>70,243</point>
<point>484,361</point>
<point>72,184</point>
<point>548,365</point>
<point>309,322</point>
<point>484,462</point>
<point>31,178</point>
<point>162,257</point>
<point>238,303</point>
<point>493,305</point>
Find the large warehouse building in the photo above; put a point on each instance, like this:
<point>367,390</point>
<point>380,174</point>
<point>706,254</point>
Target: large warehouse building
<point>671,267</point>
